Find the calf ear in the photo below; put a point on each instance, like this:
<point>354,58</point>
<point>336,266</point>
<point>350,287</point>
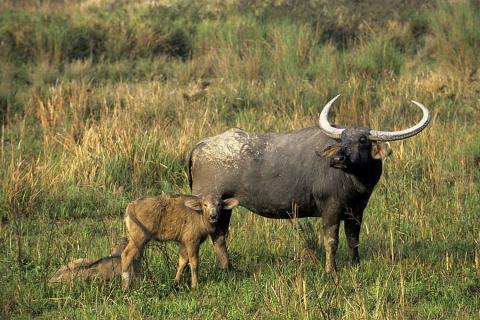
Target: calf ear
<point>329,151</point>
<point>381,150</point>
<point>194,204</point>
<point>230,203</point>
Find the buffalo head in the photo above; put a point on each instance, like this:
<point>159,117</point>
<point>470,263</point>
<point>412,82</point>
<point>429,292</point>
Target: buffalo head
<point>356,147</point>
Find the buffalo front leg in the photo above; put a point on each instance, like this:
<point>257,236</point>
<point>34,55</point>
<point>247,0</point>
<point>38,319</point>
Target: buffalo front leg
<point>352,226</point>
<point>219,239</point>
<point>330,241</point>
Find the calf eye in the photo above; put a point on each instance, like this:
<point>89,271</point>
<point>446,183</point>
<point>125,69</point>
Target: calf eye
<point>363,140</point>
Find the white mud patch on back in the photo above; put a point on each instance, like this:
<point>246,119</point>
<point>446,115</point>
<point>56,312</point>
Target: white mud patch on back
<point>230,147</point>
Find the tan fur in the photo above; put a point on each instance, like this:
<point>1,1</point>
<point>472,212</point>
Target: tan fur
<point>381,150</point>
<point>167,217</point>
<point>330,151</point>
<point>104,268</point>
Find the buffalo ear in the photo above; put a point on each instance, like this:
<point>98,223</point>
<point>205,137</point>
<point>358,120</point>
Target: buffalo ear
<point>381,150</point>
<point>330,151</point>
<point>230,203</point>
<point>194,204</point>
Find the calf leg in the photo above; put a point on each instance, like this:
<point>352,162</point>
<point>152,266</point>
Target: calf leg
<point>192,250</point>
<point>137,267</point>
<point>220,242</point>
<point>131,255</point>
<point>182,262</point>
<point>352,232</point>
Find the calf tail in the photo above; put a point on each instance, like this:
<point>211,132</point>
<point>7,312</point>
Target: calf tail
<point>130,215</point>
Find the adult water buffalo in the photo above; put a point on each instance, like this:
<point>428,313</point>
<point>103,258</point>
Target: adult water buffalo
<point>323,171</point>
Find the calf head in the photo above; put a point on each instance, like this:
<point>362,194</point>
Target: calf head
<point>210,206</point>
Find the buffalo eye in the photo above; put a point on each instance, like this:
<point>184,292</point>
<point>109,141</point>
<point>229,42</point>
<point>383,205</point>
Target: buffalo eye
<point>363,140</point>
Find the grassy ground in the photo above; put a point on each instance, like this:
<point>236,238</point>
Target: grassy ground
<point>100,102</point>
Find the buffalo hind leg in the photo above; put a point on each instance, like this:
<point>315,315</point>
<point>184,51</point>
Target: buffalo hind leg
<point>219,239</point>
<point>352,226</point>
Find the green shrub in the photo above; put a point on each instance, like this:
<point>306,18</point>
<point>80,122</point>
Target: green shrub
<point>376,57</point>
<point>455,39</point>
<point>175,44</point>
<point>82,42</point>
<point>17,33</point>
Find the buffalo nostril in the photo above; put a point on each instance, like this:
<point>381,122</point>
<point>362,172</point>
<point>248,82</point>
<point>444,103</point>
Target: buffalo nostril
<point>339,161</point>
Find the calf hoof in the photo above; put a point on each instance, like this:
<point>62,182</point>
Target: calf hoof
<point>225,266</point>
<point>125,281</point>
<point>176,283</point>
<point>329,268</point>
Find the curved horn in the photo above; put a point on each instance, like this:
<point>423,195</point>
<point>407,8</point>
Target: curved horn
<point>403,134</point>
<point>325,126</point>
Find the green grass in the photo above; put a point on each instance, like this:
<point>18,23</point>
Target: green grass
<point>423,277</point>
<point>101,103</point>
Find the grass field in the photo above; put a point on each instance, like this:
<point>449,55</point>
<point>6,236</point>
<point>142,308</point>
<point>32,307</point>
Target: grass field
<point>101,102</point>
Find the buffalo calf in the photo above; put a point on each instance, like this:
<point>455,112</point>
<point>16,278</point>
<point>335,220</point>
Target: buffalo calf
<point>185,219</point>
<point>104,268</point>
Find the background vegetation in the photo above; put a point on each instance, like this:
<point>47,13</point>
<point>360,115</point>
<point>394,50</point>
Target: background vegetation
<point>101,101</point>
